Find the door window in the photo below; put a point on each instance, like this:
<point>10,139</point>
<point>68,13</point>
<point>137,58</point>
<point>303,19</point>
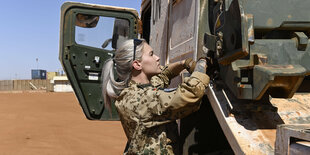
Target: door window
<point>100,32</point>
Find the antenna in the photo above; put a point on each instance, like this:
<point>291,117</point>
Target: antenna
<point>37,60</point>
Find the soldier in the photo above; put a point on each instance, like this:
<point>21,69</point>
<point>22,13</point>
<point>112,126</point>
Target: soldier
<point>147,110</point>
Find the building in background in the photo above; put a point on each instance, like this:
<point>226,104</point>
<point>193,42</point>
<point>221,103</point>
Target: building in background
<point>41,81</point>
<point>51,75</point>
<point>38,74</point>
<point>61,84</point>
<point>59,81</point>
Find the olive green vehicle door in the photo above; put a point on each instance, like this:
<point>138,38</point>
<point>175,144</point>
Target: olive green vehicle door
<point>89,35</point>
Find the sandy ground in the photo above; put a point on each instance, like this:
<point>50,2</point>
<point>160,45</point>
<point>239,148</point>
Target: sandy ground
<point>53,123</point>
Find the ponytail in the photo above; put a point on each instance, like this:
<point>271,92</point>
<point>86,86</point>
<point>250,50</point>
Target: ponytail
<point>121,63</point>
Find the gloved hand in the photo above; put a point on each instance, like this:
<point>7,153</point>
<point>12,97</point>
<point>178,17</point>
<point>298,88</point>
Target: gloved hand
<point>189,65</point>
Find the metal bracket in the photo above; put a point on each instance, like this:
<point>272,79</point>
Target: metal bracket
<point>302,40</point>
<point>210,42</point>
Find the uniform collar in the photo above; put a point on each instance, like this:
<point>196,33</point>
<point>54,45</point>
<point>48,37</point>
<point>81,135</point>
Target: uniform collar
<point>139,85</point>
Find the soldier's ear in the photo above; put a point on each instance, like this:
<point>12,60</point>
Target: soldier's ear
<point>136,65</point>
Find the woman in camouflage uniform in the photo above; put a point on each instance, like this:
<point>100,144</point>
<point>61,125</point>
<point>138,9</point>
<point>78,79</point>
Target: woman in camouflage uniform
<point>148,111</point>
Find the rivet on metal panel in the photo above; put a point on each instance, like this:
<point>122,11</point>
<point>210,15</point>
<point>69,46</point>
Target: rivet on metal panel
<point>93,111</point>
<point>220,34</point>
<point>67,48</point>
<point>219,45</point>
<point>97,59</point>
<point>289,16</point>
<point>269,22</point>
<point>219,49</point>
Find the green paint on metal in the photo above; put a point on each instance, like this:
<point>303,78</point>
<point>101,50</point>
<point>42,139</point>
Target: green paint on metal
<point>261,50</point>
<point>78,61</point>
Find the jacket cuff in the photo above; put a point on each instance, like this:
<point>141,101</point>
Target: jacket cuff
<point>204,78</point>
<point>166,71</point>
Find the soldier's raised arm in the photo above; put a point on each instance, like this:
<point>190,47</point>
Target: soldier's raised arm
<point>172,70</point>
<point>184,100</point>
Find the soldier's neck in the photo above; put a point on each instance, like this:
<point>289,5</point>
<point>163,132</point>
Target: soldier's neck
<point>140,78</point>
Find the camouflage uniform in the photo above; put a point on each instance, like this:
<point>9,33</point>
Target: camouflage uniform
<point>148,112</point>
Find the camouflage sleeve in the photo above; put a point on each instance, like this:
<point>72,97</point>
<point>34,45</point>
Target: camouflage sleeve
<point>182,101</point>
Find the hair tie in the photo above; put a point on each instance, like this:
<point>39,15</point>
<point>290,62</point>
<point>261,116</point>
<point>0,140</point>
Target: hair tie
<point>113,55</point>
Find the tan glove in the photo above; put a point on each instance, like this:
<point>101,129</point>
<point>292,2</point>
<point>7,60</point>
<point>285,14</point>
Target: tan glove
<point>189,65</point>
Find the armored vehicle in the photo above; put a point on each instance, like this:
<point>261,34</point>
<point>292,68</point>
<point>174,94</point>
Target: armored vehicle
<point>258,98</point>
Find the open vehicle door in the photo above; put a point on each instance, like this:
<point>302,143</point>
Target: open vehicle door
<point>89,34</point>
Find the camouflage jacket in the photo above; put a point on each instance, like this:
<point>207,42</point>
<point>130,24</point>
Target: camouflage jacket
<point>148,112</point>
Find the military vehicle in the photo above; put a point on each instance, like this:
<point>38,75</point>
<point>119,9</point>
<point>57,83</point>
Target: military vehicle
<point>258,99</point>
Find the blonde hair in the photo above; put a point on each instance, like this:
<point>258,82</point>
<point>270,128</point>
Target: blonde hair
<point>121,64</point>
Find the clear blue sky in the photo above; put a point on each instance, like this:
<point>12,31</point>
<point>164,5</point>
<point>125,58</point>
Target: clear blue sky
<point>30,29</point>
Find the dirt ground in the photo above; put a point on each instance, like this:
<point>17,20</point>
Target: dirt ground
<point>53,123</point>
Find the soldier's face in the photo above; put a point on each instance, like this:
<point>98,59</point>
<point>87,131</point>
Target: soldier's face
<point>150,61</point>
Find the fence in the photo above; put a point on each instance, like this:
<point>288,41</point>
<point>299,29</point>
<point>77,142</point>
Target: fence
<point>24,85</point>
<point>6,85</point>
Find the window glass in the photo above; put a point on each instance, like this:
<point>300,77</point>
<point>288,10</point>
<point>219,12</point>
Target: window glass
<point>100,32</point>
